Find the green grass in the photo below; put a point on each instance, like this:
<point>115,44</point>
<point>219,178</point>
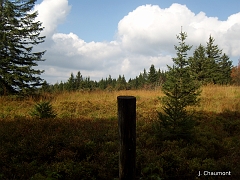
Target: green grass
<point>82,141</point>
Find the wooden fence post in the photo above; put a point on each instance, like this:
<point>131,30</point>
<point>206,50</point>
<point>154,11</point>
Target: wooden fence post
<point>127,134</point>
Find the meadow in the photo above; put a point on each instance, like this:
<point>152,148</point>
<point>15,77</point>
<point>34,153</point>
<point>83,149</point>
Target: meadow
<point>82,141</point>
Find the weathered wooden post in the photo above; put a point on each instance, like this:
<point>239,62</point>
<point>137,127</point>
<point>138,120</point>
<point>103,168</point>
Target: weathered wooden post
<point>127,133</point>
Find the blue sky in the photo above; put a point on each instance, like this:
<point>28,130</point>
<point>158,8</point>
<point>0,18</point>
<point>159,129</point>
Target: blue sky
<point>113,37</point>
<point>98,20</point>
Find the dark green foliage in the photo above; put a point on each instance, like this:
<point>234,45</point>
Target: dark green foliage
<point>121,83</point>
<point>181,91</point>
<point>198,64</point>
<point>152,76</point>
<point>208,65</point>
<point>19,33</point>
<point>88,149</point>
<point>225,67</point>
<point>71,85</point>
<point>145,80</point>
<point>43,110</point>
<point>59,149</point>
<point>79,80</point>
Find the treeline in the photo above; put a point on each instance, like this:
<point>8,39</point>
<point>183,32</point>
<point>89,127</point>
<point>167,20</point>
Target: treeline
<point>208,65</point>
<point>147,80</point>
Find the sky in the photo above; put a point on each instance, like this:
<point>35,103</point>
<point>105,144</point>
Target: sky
<point>111,37</point>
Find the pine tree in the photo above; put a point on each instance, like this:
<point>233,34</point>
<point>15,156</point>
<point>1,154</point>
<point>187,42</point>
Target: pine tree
<point>19,32</point>
<point>181,91</point>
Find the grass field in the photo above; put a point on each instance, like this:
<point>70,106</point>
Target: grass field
<point>82,141</point>
<point>103,104</point>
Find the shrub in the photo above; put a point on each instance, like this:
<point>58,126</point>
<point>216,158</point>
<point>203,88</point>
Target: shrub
<point>43,110</point>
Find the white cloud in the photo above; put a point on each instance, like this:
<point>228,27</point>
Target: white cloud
<point>145,36</point>
<point>52,13</point>
<point>152,30</point>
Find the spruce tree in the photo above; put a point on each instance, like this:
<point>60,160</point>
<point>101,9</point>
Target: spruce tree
<point>71,83</point>
<point>145,76</point>
<point>19,33</point>
<point>219,66</point>
<point>152,75</point>
<point>121,83</point>
<point>213,56</point>
<point>198,64</point>
<point>78,80</point>
<point>208,65</point>
<point>225,68</point>
<point>181,91</point>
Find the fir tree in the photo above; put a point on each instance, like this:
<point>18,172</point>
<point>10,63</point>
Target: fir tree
<point>181,91</point>
<point>19,32</point>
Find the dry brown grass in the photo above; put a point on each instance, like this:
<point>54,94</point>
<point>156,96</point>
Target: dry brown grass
<point>103,104</point>
<point>220,98</point>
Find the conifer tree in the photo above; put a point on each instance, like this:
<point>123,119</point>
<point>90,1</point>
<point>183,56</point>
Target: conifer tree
<point>213,56</point>
<point>220,66</point>
<point>71,85</point>
<point>102,84</point>
<point>121,83</point>
<point>79,80</point>
<point>181,91</point>
<point>61,86</point>
<point>152,75</point>
<point>198,64</point>
<point>19,33</point>
<point>208,65</point>
<point>145,76</point>
<point>225,68</point>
